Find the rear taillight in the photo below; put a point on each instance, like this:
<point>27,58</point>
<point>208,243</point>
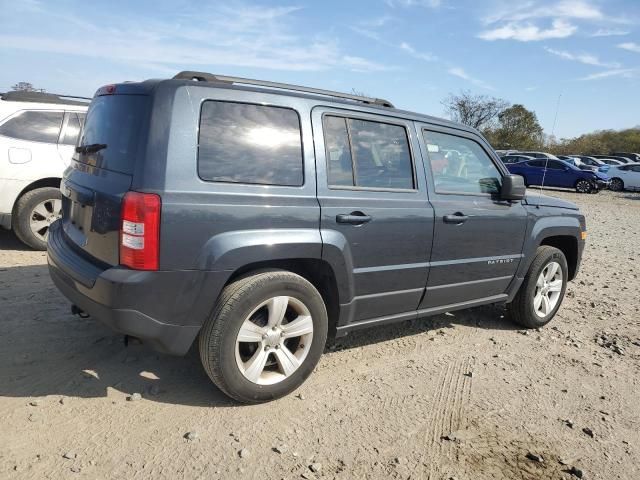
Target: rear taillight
<point>140,231</point>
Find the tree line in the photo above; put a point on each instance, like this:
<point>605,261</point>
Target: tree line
<point>515,127</point>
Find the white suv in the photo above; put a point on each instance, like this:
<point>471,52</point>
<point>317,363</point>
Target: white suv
<point>38,133</point>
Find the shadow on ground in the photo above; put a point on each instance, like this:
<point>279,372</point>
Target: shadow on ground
<point>9,241</point>
<point>46,351</point>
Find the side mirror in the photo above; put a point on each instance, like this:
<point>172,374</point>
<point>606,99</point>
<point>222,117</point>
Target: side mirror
<point>512,188</point>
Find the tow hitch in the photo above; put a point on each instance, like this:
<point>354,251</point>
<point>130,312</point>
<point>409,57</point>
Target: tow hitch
<point>75,310</point>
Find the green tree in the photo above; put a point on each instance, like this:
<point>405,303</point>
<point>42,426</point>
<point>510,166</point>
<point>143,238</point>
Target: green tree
<point>517,128</point>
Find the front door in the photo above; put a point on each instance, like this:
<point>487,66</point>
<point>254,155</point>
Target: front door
<point>373,200</point>
<point>478,238</point>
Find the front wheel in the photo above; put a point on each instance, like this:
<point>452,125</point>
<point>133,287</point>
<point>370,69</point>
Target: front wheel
<point>542,290</point>
<point>583,186</point>
<point>265,336</point>
<point>617,185</point>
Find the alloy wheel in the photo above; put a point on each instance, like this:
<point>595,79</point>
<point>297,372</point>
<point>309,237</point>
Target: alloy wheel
<point>616,184</point>
<point>43,215</point>
<point>583,186</point>
<point>548,289</point>
<point>274,340</point>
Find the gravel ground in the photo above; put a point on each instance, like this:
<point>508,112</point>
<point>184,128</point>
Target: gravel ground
<point>464,395</point>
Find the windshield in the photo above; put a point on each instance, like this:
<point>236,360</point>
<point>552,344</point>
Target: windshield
<point>114,123</point>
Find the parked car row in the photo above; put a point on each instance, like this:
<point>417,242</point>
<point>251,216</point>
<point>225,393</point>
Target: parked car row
<point>584,173</point>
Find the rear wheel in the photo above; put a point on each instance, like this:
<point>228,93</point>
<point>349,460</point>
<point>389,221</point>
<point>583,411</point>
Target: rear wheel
<point>35,211</point>
<point>542,290</point>
<point>265,336</point>
<point>583,186</point>
<point>617,185</point>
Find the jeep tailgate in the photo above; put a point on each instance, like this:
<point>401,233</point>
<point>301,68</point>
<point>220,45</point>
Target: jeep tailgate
<point>101,173</point>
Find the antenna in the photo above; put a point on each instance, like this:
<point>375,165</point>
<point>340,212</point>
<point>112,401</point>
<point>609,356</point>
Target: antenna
<point>553,129</point>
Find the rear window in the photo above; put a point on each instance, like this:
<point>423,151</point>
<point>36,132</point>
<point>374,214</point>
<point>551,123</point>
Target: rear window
<point>115,121</point>
<point>246,143</point>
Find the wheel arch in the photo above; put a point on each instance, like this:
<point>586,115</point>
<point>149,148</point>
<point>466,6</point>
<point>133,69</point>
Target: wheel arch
<point>316,271</point>
<point>568,245</point>
<point>53,182</point>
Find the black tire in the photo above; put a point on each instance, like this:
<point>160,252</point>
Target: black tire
<point>583,186</point>
<point>521,310</point>
<point>617,185</point>
<point>24,212</point>
<point>217,340</point>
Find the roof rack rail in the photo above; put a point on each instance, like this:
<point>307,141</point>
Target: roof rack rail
<point>42,97</point>
<point>208,77</point>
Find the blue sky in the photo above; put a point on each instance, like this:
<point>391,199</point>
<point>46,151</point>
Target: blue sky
<point>412,52</point>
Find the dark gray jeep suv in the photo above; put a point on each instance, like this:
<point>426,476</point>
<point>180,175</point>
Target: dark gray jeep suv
<point>259,218</point>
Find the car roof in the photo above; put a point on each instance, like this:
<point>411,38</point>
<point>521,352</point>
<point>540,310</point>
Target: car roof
<point>150,86</point>
<point>44,98</point>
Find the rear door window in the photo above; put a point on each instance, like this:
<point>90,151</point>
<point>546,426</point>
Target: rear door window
<point>246,143</point>
<point>369,154</point>
<point>34,126</point>
<point>72,129</point>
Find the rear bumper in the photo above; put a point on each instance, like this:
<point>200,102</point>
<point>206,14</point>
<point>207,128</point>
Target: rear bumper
<point>164,309</point>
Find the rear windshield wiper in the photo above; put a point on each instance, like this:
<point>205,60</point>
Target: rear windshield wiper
<point>91,148</point>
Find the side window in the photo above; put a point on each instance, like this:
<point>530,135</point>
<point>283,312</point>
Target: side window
<point>460,165</point>
<point>72,131</point>
<point>338,151</point>
<point>247,143</point>
<point>537,163</point>
<point>34,126</point>
<point>364,153</point>
<point>553,165</point>
<point>635,168</point>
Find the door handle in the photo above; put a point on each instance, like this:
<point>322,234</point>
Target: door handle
<point>457,218</point>
<point>353,218</point>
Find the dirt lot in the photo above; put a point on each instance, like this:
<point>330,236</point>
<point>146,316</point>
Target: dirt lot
<point>464,395</point>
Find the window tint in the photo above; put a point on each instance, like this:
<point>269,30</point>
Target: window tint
<point>73,130</point>
<point>244,143</point>
<point>460,165</point>
<point>537,163</point>
<point>117,121</point>
<point>338,152</point>
<point>379,156</point>
<point>35,126</point>
<point>635,168</point>
<point>552,165</point>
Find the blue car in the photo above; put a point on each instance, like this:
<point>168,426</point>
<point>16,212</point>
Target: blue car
<point>558,173</point>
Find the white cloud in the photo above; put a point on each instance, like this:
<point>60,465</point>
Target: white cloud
<point>630,46</point>
<point>585,58</point>
<point>414,3</point>
<point>568,9</point>
<point>609,32</point>
<point>528,32</point>
<point>461,73</point>
<point>428,57</point>
<point>250,36</point>
<point>523,20</point>
<point>618,72</point>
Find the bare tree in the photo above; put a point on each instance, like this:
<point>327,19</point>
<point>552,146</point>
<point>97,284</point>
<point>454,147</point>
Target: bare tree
<point>26,87</point>
<point>477,111</point>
